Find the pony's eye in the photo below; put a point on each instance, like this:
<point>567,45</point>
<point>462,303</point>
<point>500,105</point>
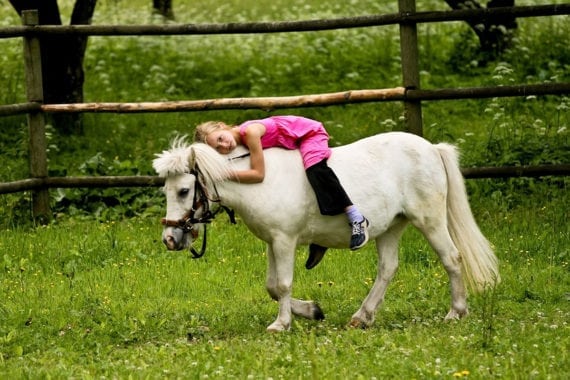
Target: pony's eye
<point>183,192</point>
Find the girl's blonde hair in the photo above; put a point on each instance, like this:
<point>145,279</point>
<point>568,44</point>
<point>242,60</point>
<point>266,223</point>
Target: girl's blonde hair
<point>204,129</point>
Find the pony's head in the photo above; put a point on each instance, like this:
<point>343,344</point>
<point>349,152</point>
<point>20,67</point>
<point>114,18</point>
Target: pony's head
<point>189,170</point>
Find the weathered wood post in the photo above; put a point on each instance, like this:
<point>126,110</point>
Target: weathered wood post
<point>410,71</point>
<point>36,120</point>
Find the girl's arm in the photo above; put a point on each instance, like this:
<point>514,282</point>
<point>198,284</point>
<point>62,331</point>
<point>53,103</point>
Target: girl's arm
<point>256,173</point>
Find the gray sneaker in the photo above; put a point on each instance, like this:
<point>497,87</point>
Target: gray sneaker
<point>359,234</point>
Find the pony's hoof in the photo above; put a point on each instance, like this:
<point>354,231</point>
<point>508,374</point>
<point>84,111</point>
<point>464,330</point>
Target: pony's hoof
<point>357,324</point>
<point>455,315</point>
<point>277,327</point>
<point>318,314</point>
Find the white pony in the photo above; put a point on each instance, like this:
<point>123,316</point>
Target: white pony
<point>395,179</point>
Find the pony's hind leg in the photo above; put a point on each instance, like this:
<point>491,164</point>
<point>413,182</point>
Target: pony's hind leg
<point>387,247</point>
<point>442,243</point>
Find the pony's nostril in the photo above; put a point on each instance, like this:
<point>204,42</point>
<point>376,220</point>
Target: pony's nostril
<point>170,242</point>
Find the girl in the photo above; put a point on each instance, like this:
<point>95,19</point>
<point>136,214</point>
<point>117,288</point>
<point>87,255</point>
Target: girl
<point>290,132</point>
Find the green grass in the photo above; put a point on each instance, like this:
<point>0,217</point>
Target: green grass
<point>95,294</point>
<point>91,300</point>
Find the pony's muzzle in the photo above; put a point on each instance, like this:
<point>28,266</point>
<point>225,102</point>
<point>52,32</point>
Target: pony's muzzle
<point>174,239</point>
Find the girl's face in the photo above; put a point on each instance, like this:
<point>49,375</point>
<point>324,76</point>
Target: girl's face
<point>222,140</point>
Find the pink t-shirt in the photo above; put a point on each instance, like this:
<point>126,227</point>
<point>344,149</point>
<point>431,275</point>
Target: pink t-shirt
<point>294,132</point>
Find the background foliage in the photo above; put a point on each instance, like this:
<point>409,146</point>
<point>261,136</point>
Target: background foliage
<point>506,131</point>
<point>94,294</point>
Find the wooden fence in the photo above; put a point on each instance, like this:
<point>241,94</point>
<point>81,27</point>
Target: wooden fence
<point>410,93</point>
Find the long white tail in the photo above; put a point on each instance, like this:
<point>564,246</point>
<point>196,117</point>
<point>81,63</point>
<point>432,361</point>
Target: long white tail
<point>479,263</point>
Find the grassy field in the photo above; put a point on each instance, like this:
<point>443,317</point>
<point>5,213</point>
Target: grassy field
<point>94,294</point>
<point>105,300</point>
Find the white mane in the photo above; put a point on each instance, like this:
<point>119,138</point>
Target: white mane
<point>173,161</point>
<point>213,164</point>
<point>183,157</point>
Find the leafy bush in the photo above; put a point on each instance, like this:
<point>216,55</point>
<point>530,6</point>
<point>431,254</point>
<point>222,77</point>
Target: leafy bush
<point>107,203</point>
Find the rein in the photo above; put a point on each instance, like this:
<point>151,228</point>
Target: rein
<point>201,200</point>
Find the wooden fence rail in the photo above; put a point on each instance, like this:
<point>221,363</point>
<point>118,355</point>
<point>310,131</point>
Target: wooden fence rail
<point>405,17</point>
<point>410,94</point>
<point>272,103</point>
<point>154,181</point>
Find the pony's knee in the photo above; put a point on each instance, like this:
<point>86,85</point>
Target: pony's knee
<point>272,292</point>
<point>452,263</point>
<point>271,287</point>
<point>276,290</point>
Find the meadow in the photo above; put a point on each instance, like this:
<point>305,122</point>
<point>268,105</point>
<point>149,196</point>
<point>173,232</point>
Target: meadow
<point>94,294</point>
<point>106,300</point>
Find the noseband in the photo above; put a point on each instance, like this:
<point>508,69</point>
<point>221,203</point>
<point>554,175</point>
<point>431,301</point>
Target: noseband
<point>201,200</point>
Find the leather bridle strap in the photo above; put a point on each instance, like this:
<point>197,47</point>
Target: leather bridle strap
<point>186,223</point>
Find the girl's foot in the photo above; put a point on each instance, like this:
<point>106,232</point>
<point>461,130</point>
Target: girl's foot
<point>359,234</point>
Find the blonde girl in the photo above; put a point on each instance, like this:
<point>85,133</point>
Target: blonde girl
<point>289,132</point>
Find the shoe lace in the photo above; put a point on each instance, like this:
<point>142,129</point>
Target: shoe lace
<point>356,228</point>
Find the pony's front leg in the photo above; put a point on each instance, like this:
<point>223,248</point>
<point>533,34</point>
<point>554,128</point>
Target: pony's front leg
<point>280,261</point>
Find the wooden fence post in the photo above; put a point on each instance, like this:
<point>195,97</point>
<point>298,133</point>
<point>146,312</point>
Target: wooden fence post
<point>36,120</point>
<point>410,71</point>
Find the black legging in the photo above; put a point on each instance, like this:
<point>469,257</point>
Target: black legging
<point>331,197</point>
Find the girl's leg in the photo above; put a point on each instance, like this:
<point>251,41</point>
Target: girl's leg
<point>333,200</point>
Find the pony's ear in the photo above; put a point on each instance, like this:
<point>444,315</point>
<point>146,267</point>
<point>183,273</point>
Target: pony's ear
<point>192,159</point>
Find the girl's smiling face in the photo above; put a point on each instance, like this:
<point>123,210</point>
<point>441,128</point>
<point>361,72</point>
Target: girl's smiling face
<point>222,140</point>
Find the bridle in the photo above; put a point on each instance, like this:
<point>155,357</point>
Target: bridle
<point>200,201</point>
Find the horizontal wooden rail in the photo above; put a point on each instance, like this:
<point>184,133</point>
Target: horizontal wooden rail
<point>74,182</point>
<point>516,171</point>
<point>344,97</point>
<point>489,92</point>
<point>271,103</point>
<point>265,103</point>
<point>153,181</point>
<point>287,26</point>
<point>18,109</point>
